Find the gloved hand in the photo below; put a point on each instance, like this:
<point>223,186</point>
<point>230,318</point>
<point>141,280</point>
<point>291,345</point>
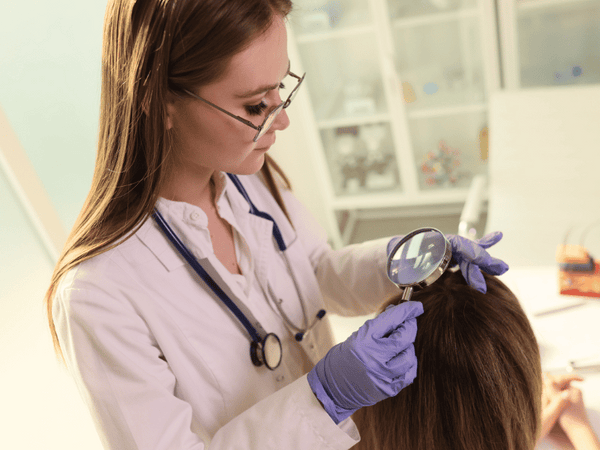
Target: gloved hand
<point>471,257</point>
<point>375,363</point>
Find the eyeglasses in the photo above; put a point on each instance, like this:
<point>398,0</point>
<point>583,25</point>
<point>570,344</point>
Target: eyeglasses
<point>264,127</point>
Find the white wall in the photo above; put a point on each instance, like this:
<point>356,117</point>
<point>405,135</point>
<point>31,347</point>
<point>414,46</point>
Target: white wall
<point>49,91</point>
<point>40,407</point>
<point>50,88</point>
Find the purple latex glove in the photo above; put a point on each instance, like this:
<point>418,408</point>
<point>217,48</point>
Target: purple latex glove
<point>375,363</point>
<point>471,257</point>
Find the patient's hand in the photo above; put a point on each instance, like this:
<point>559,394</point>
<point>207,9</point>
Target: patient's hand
<point>555,398</point>
<point>575,423</point>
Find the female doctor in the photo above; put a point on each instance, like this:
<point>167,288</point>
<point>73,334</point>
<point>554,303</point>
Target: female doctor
<point>188,303</point>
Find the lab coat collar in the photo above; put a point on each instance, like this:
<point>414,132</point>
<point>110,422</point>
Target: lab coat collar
<point>151,235</point>
<point>263,200</point>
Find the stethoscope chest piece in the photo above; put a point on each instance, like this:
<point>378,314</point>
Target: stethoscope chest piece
<point>267,352</point>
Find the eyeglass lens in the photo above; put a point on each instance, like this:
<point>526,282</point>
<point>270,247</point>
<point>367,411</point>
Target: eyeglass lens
<point>273,114</point>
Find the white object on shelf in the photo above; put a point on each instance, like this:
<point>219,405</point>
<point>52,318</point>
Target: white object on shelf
<point>473,207</point>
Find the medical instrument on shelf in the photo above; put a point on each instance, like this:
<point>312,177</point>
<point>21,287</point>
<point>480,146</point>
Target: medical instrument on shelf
<point>265,348</point>
<point>418,260</point>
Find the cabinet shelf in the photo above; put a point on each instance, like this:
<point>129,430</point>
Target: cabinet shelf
<point>535,5</point>
<point>400,199</point>
<point>353,121</point>
<point>341,33</point>
<point>434,19</point>
<point>425,113</point>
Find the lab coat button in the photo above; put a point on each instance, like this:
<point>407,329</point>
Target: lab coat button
<point>279,378</point>
<point>194,216</point>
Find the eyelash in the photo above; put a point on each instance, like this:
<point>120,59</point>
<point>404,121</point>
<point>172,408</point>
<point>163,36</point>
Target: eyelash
<point>256,110</point>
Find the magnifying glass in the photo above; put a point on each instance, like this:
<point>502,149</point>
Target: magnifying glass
<point>418,259</point>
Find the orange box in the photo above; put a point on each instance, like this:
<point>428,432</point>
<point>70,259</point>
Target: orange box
<point>579,273</point>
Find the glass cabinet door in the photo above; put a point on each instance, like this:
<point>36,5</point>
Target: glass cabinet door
<point>450,150</point>
<point>560,44</point>
<point>439,60</point>
<point>398,90</point>
<point>550,42</point>
<point>337,42</point>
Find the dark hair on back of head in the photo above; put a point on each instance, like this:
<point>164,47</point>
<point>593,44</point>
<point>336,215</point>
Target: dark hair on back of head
<point>478,383</point>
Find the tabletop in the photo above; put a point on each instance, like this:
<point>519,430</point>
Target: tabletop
<point>567,329</point>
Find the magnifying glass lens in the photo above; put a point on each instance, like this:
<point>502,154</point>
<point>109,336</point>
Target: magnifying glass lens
<point>419,258</point>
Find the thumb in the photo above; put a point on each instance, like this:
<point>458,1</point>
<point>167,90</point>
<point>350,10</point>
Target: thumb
<point>393,317</point>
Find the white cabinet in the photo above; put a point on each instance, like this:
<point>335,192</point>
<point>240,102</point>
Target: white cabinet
<point>550,42</point>
<point>398,94</point>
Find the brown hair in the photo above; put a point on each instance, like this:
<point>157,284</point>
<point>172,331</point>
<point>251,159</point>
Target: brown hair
<point>478,383</point>
<point>150,49</point>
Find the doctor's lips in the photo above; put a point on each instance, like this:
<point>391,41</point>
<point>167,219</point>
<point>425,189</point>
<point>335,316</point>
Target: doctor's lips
<point>265,146</point>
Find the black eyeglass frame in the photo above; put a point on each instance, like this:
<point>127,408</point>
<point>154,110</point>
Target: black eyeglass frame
<point>261,129</point>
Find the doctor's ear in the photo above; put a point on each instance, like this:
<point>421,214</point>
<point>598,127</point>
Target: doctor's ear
<point>171,109</point>
<point>169,105</point>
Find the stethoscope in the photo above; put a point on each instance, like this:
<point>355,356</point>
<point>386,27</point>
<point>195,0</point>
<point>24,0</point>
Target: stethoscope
<point>265,348</point>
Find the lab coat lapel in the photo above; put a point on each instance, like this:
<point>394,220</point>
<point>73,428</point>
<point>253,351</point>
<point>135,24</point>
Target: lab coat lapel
<point>159,245</point>
<point>261,229</point>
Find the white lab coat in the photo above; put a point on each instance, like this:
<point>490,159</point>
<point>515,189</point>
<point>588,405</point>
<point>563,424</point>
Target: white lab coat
<point>162,364</point>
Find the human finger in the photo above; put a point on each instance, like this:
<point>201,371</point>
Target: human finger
<point>552,411</point>
<point>389,320</point>
<point>563,381</point>
<point>489,239</point>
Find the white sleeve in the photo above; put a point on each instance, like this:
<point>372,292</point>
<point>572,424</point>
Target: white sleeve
<point>291,418</point>
<point>130,388</point>
<point>353,279</point>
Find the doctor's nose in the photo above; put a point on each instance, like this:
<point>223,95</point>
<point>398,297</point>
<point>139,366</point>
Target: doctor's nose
<point>281,122</point>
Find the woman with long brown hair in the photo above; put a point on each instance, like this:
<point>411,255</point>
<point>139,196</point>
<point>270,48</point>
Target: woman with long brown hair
<point>188,302</point>
<point>479,380</point>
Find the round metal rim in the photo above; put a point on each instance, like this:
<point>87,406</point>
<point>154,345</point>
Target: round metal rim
<point>441,268</point>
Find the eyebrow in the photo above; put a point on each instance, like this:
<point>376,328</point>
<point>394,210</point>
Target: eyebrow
<point>262,89</point>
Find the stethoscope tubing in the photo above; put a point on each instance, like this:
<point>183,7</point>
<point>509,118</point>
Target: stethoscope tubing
<point>258,351</point>
<point>255,211</point>
<point>183,250</point>
<point>300,333</point>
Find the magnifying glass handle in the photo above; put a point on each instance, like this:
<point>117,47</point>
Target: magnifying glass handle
<point>407,293</point>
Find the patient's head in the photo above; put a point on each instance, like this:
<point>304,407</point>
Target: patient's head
<point>478,382</point>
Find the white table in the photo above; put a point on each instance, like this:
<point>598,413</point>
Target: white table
<point>567,329</point>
